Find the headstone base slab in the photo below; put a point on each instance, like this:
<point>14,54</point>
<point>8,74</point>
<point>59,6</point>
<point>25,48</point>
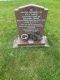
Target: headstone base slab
<point>19,42</point>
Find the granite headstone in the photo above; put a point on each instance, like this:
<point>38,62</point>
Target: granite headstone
<point>30,21</point>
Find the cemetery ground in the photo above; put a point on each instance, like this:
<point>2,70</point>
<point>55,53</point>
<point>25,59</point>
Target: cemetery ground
<point>37,63</point>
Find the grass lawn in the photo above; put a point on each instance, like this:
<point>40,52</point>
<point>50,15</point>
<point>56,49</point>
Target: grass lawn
<point>29,63</point>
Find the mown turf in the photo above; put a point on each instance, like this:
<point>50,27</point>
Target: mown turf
<point>29,63</point>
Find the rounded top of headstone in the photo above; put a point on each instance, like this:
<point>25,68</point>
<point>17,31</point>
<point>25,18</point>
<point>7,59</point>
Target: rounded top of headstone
<point>33,5</point>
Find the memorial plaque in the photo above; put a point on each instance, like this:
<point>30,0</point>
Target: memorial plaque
<point>30,21</point>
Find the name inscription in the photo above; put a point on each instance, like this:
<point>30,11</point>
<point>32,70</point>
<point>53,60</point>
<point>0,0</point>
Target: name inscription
<point>31,21</point>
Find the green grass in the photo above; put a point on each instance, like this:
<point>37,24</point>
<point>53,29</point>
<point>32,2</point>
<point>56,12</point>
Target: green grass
<point>36,63</point>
